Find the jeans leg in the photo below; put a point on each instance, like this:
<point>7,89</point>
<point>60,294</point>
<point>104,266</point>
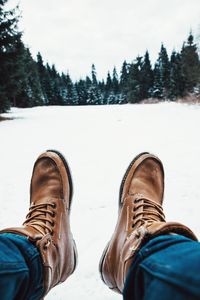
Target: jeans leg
<point>167,267</point>
<point>21,275</point>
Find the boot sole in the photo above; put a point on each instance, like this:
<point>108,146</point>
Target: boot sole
<point>120,204</point>
<point>70,197</point>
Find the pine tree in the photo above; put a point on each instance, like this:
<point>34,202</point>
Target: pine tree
<point>115,95</point>
<point>190,64</point>
<point>88,82</point>
<point>115,82</point>
<point>82,92</point>
<point>49,86</point>
<point>146,77</point>
<point>176,84</point>
<point>69,91</point>
<point>34,81</point>
<point>10,37</point>
<point>18,76</point>
<point>101,86</point>
<point>29,90</point>
<point>94,93</point>
<point>94,75</point>
<point>157,90</point>
<point>108,94</point>
<point>57,93</point>
<point>109,83</point>
<point>134,94</point>
<point>124,77</point>
<point>43,77</point>
<point>124,82</point>
<point>164,68</point>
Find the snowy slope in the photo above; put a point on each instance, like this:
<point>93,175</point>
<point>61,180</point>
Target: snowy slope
<point>99,143</point>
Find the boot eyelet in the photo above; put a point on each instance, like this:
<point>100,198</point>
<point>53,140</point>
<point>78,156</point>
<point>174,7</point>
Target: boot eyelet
<point>54,205</point>
<point>137,234</point>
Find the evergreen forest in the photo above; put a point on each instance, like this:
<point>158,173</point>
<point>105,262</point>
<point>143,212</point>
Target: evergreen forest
<point>28,82</point>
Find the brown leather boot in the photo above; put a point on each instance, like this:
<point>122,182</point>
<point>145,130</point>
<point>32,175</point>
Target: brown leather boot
<point>47,223</point>
<point>140,218</point>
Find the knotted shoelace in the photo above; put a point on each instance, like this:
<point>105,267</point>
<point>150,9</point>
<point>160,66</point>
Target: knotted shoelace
<point>151,211</point>
<point>41,215</point>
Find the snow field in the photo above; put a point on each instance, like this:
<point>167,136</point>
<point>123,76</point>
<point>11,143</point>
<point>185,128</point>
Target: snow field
<point>99,143</point>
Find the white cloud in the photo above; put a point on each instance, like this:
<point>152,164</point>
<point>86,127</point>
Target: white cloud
<point>73,34</point>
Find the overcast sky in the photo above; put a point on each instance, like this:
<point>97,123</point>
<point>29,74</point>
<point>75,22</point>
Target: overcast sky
<point>73,34</point>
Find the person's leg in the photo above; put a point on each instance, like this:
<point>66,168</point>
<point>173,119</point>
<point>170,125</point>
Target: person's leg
<point>21,274</point>
<point>140,219</point>
<point>47,224</point>
<point>167,267</point>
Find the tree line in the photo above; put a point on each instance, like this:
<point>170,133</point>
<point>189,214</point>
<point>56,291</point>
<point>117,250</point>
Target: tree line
<point>28,82</point>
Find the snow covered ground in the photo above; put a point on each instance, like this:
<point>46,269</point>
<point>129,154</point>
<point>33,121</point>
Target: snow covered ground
<point>99,143</point>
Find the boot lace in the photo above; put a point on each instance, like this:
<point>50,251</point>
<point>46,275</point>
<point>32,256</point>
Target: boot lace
<point>151,211</point>
<point>40,217</point>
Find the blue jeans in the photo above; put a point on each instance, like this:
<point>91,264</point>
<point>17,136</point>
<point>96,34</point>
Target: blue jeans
<point>166,268</point>
<point>21,274</point>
